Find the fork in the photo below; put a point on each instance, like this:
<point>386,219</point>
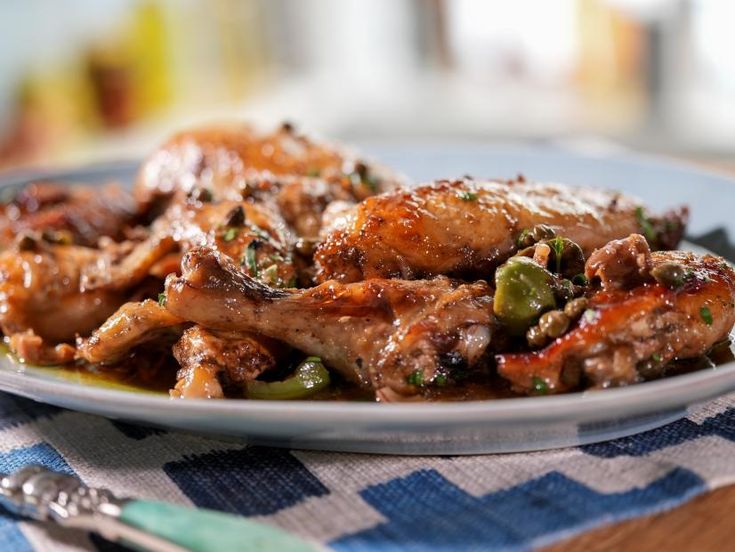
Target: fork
<point>44,495</point>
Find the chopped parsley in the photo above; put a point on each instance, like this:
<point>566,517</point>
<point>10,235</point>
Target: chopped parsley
<point>440,380</point>
<point>655,357</point>
<point>415,378</point>
<point>580,280</point>
<point>162,299</point>
<point>372,183</point>
<point>467,196</point>
<point>557,244</point>
<point>270,275</point>
<point>230,234</point>
<point>539,386</point>
<point>313,359</point>
<point>521,241</point>
<point>706,315</point>
<point>251,260</point>
<point>646,227</point>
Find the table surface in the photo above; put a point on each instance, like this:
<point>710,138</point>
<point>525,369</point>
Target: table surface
<point>702,524</point>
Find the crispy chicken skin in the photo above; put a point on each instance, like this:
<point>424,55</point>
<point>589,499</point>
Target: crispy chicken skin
<point>223,161</point>
<point>74,214</point>
<point>40,290</point>
<point>384,334</point>
<point>133,324</point>
<point>634,329</point>
<point>466,228</point>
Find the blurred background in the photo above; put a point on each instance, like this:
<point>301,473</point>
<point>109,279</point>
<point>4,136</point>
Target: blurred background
<point>84,80</point>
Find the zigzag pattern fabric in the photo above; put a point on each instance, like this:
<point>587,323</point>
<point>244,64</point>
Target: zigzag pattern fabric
<point>354,502</point>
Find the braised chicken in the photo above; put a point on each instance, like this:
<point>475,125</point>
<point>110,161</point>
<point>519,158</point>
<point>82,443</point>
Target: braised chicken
<point>386,334</point>
<point>285,259</point>
<point>466,228</point>
<point>649,309</point>
<point>67,214</point>
<point>234,162</point>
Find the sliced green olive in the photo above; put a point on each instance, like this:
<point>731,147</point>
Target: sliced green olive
<point>523,292</point>
<point>309,377</point>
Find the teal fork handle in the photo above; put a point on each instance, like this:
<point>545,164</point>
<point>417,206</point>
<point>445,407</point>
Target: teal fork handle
<point>208,531</point>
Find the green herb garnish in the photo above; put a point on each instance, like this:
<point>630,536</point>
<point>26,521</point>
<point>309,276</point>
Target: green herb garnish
<point>467,196</point>
<point>251,260</point>
<point>415,378</point>
<point>557,244</point>
<point>539,386</point>
<point>706,315</point>
<point>230,234</point>
<point>313,172</point>
<point>520,241</point>
<point>371,182</point>
<point>656,358</point>
<point>162,299</point>
<point>645,223</point>
<point>270,275</point>
<point>580,280</point>
<point>440,380</point>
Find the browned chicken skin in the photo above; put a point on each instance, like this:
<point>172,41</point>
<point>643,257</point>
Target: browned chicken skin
<point>466,228</point>
<point>39,290</point>
<point>230,162</point>
<point>402,306</point>
<point>635,325</point>
<point>73,214</point>
<point>390,334</point>
<point>132,324</point>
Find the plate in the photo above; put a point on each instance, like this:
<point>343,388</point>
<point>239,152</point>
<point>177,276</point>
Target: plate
<point>507,425</point>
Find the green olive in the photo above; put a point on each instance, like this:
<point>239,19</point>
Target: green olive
<point>308,378</point>
<point>523,291</point>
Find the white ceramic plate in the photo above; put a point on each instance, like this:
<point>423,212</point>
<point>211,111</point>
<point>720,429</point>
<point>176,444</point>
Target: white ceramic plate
<point>448,428</point>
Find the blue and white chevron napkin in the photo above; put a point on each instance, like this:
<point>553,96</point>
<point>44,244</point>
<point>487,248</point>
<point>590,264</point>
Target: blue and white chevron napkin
<point>356,502</point>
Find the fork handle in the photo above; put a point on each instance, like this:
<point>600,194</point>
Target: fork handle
<point>202,530</point>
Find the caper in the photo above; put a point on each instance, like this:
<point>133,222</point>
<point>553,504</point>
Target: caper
<point>554,323</point>
<point>523,291</point>
<point>574,308</point>
<point>671,275</point>
<point>535,337</point>
<point>567,258</point>
<point>529,236</point>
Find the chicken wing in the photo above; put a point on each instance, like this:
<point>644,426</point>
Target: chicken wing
<point>634,325</point>
<point>40,291</point>
<point>401,336</point>
<point>227,163</point>
<point>466,228</point>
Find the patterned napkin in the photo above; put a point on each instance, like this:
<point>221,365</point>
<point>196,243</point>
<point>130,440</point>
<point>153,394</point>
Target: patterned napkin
<point>356,502</point>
